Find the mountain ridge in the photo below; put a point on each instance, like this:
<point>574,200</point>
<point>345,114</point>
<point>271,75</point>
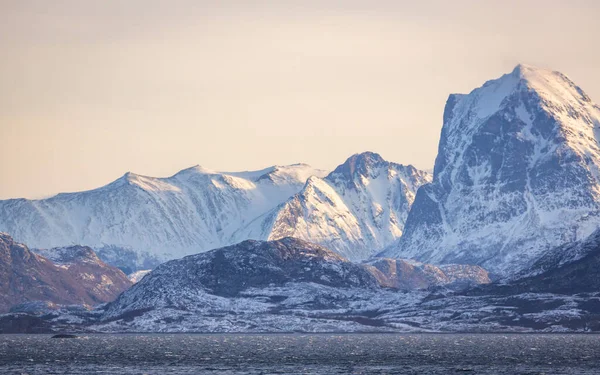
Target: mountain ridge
<point>146,220</point>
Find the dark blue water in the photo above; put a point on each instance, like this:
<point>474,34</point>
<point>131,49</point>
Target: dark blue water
<point>301,354</point>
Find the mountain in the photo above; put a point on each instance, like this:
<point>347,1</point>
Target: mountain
<point>154,218</point>
<point>291,285</point>
<point>75,275</point>
<point>517,174</point>
<point>281,285</point>
<point>137,222</point>
<point>357,210</point>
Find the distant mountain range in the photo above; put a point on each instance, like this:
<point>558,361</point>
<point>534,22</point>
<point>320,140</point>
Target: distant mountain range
<point>137,222</point>
<point>503,237</point>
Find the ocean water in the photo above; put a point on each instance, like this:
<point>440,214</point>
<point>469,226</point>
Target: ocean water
<point>302,354</point>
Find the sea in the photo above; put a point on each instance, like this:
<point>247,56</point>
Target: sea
<point>301,354</point>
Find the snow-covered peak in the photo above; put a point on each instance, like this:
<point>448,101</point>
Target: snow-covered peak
<point>356,210</point>
<point>517,173</point>
<point>555,90</point>
<point>359,164</point>
<point>551,85</point>
<point>295,173</point>
<point>196,169</point>
<point>150,183</point>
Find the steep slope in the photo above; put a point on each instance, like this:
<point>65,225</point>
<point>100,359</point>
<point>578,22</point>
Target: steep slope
<point>409,275</point>
<point>517,174</point>
<point>576,271</point>
<point>282,285</point>
<point>579,276</point>
<point>78,277</point>
<point>229,271</point>
<point>158,218</point>
<point>356,210</point>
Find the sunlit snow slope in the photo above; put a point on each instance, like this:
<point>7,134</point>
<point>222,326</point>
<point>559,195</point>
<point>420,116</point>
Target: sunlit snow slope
<point>195,210</point>
<point>356,210</point>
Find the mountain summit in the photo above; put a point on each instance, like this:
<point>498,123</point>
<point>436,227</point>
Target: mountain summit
<point>69,276</point>
<point>357,210</point>
<point>517,173</point>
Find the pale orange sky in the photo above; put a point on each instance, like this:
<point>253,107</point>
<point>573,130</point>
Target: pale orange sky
<point>92,89</point>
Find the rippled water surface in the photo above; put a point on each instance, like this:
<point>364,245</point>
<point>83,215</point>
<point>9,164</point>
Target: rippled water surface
<point>301,354</point>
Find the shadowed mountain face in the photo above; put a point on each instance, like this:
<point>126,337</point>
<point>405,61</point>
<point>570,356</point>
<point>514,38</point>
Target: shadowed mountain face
<point>231,270</point>
<point>268,277</point>
<point>517,174</point>
<point>157,218</point>
<point>77,277</point>
<point>290,285</point>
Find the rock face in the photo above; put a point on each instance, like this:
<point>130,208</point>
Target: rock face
<point>77,277</point>
<point>357,210</point>
<point>137,222</point>
<point>228,271</point>
<point>517,174</point>
<point>410,275</point>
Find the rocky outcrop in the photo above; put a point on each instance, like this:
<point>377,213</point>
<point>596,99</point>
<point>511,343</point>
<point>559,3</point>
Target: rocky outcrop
<point>357,210</point>
<point>77,277</point>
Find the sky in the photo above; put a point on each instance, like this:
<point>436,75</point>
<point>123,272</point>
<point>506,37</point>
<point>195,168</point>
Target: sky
<point>91,89</point>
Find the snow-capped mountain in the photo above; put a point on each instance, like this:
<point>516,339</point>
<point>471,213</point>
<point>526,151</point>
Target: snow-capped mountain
<point>356,210</point>
<point>195,210</point>
<point>517,173</point>
<point>71,275</point>
<point>137,221</point>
